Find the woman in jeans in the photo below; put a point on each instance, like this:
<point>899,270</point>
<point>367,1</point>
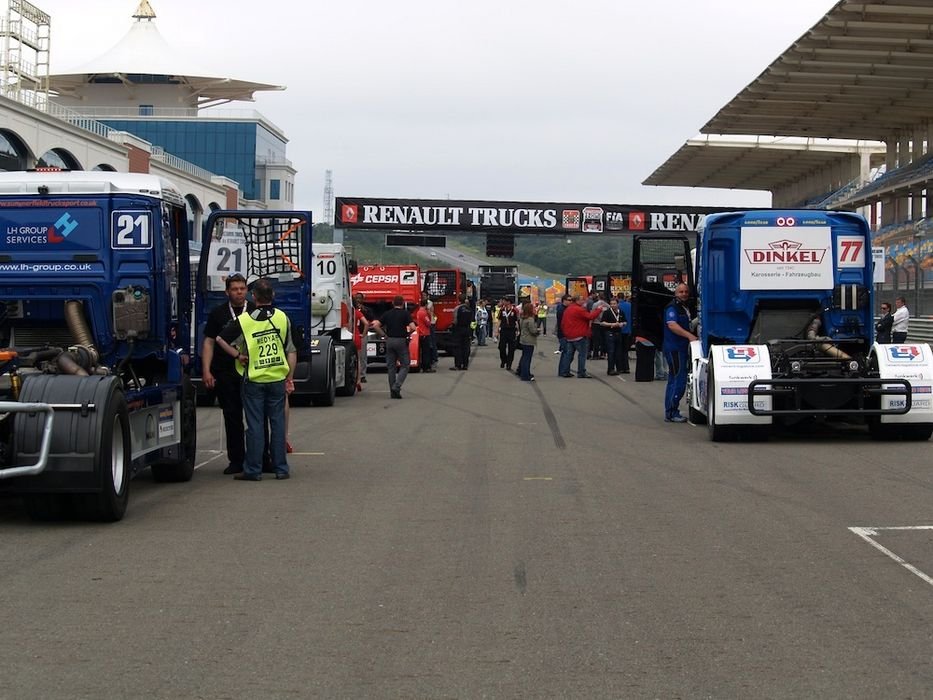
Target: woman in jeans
<point>527,339</point>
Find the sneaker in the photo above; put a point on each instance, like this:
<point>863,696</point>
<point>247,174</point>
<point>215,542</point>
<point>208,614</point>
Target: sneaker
<point>674,418</point>
<point>279,476</point>
<point>557,352</point>
<point>585,375</point>
<point>233,469</point>
<point>395,394</point>
<point>566,376</point>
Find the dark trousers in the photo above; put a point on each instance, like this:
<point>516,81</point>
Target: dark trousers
<point>227,390</point>
<point>507,348</point>
<point>614,352</point>
<point>462,347</point>
<point>899,337</point>
<point>425,352</point>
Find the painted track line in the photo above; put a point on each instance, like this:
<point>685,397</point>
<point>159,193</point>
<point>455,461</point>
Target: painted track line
<point>867,533</point>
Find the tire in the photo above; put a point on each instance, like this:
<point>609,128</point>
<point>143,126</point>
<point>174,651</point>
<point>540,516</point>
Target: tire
<point>182,469</point>
<point>104,434</point>
<point>350,369</point>
<point>696,417</point>
<point>328,396</point>
<point>900,431</point>
<point>113,464</point>
<point>717,433</point>
<point>47,506</point>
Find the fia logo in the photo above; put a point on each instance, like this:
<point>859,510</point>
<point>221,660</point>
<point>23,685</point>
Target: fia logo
<point>905,353</point>
<point>740,355</point>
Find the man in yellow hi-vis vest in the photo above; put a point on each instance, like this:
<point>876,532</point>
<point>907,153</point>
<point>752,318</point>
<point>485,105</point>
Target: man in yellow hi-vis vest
<point>262,343</point>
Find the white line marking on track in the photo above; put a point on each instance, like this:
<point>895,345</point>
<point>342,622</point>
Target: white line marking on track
<point>867,533</point>
<point>208,461</point>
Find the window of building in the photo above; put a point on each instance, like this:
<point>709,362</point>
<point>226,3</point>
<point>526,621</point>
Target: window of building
<point>146,110</point>
<point>275,189</point>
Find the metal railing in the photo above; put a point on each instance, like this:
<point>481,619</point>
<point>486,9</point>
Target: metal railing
<point>160,154</point>
<point>920,330</point>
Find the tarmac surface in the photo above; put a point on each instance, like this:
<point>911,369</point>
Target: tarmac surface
<point>485,537</point>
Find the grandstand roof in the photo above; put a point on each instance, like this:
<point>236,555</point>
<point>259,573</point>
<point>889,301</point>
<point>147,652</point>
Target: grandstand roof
<point>756,163</point>
<point>143,52</point>
<point>861,72</point>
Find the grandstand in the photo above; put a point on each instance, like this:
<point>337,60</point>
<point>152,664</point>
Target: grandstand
<point>858,77</point>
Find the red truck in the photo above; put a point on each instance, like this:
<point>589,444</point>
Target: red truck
<point>379,285</point>
<point>445,288</point>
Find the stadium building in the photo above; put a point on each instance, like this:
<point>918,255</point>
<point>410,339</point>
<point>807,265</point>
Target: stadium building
<point>143,106</point>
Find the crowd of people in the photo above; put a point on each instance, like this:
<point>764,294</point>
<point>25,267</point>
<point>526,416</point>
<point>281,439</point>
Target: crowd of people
<point>239,332</point>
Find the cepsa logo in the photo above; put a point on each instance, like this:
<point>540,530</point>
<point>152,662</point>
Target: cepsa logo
<point>41,235</point>
<point>740,355</point>
<point>785,251</point>
<point>350,213</point>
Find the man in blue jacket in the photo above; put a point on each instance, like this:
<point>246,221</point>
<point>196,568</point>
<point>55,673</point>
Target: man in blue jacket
<point>677,339</point>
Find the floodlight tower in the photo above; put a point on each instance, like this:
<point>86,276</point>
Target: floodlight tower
<point>328,197</point>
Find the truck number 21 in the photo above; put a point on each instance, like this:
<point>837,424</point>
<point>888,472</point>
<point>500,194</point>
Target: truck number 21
<point>131,230</point>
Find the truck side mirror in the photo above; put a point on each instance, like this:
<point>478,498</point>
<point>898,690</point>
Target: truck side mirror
<point>352,266</point>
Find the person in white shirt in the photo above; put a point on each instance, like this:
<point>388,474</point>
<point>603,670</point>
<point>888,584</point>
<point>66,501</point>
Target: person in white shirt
<point>901,317</point>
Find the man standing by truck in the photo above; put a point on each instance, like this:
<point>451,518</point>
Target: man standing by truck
<point>677,339</point>
<point>261,341</point>
<point>901,318</point>
<point>219,372</point>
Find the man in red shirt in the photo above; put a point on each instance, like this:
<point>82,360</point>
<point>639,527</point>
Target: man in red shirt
<point>575,327</point>
<point>423,322</point>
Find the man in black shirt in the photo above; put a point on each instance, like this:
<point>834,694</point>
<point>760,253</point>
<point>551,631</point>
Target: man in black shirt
<point>397,325</point>
<point>508,333</point>
<point>219,373</point>
<point>462,331</point>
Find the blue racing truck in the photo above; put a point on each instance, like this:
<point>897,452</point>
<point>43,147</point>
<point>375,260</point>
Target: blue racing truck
<point>94,330</point>
<point>786,330</point>
<point>312,286</point>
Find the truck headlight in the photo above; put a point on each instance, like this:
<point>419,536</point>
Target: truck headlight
<point>796,366</point>
<point>853,366</point>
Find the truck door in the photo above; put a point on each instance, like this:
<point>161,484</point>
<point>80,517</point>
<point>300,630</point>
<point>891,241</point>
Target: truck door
<point>659,264</point>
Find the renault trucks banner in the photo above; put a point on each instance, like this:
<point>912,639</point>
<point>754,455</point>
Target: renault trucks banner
<point>515,217</point>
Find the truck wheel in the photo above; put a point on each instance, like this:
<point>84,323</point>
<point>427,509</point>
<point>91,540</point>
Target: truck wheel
<point>717,433</point>
<point>104,433</point>
<point>350,369</point>
<point>47,506</point>
<point>183,468</point>
<point>899,431</point>
<point>918,431</point>
<point>327,397</point>
<point>112,462</point>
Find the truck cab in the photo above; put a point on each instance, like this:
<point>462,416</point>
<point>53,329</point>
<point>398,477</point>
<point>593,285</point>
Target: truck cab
<point>94,325</point>
<point>786,330</point>
<point>311,283</point>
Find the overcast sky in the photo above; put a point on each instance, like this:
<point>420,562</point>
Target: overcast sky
<point>487,99</point>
